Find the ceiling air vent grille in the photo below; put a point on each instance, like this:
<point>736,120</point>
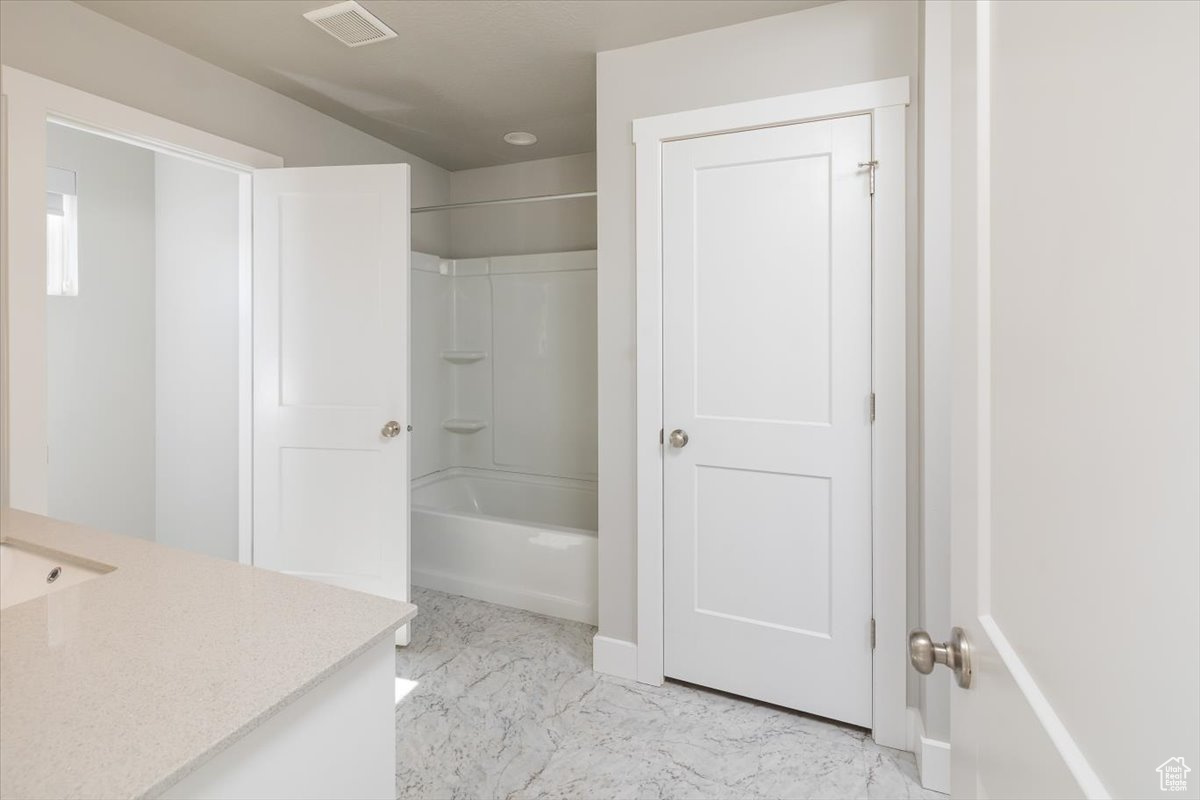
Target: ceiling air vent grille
<point>350,24</point>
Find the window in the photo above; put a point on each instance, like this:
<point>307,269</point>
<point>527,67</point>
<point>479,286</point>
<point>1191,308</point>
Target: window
<point>62,233</point>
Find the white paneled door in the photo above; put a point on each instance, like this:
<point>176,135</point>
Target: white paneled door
<point>331,264</point>
<point>766,408</point>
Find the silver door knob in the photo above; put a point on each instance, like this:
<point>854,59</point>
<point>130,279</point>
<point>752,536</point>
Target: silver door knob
<point>678,438</point>
<point>924,653</point>
<point>391,429</point>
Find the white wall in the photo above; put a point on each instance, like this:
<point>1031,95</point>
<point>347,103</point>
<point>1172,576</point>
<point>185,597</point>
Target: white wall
<point>551,227</point>
<point>196,246</point>
<point>818,48</point>
<point>68,43</point>
<point>100,344</point>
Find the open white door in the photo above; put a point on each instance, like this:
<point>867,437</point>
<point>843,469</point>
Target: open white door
<point>1075,433</point>
<point>331,263</point>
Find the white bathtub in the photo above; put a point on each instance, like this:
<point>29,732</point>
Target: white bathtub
<point>519,540</point>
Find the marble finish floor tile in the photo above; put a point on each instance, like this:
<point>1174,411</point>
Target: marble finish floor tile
<point>502,703</point>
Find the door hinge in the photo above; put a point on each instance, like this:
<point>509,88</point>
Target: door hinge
<point>872,406</point>
<point>660,435</point>
<point>871,165</point>
<point>872,633</point>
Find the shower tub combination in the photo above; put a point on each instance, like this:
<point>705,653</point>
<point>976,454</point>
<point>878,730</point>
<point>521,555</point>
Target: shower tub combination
<point>505,537</point>
<point>504,445</point>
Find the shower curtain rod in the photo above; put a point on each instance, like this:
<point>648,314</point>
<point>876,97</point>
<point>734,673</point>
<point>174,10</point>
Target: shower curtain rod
<point>540,198</point>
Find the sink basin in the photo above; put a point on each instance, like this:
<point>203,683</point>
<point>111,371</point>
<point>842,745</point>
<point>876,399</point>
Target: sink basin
<point>28,571</point>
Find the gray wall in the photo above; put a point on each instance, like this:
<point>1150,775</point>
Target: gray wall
<point>818,48</point>
<point>527,228</point>
<point>68,43</point>
<point>100,344</point>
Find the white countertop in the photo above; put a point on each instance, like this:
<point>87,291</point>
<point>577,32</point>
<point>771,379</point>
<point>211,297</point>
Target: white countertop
<point>120,686</point>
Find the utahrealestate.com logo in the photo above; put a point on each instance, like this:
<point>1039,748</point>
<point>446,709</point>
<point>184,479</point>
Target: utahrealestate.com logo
<point>1172,775</point>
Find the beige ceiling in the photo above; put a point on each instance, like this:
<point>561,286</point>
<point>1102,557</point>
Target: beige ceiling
<point>460,74</point>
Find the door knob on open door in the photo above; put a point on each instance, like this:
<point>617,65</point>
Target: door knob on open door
<point>391,429</point>
<point>924,653</point>
<point>679,438</point>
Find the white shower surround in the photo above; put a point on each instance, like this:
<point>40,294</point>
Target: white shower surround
<point>504,442</point>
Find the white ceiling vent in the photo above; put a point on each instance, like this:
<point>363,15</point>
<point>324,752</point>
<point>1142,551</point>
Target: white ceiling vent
<point>350,24</point>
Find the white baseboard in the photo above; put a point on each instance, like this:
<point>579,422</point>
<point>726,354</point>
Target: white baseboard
<point>933,755</point>
<point>935,765</point>
<point>614,657</point>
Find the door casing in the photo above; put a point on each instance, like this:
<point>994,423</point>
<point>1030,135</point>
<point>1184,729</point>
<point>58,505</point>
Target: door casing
<point>885,101</point>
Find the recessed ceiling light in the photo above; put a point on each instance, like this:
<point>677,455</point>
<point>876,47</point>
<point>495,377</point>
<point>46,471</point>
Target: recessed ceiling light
<point>520,138</point>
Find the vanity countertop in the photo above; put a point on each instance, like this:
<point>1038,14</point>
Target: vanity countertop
<point>120,686</point>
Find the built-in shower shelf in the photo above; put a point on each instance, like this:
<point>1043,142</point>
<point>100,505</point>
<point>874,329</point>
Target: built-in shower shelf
<point>464,425</point>
<point>463,356</point>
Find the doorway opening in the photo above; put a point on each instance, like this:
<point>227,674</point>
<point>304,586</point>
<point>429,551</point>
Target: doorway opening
<point>141,342</point>
<point>127,362</point>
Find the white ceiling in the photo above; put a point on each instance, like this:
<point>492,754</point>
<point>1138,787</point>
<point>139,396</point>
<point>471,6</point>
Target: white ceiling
<point>458,76</point>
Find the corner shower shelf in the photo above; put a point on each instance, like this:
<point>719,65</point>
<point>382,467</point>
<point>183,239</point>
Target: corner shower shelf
<point>463,356</point>
<point>464,425</point>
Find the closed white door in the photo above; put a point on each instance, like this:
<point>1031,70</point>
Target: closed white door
<point>767,372</point>
<point>331,264</point>
<point>1076,384</point>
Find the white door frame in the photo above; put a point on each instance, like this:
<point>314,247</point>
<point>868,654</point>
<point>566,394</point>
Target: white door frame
<point>30,102</point>
<point>885,101</point>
